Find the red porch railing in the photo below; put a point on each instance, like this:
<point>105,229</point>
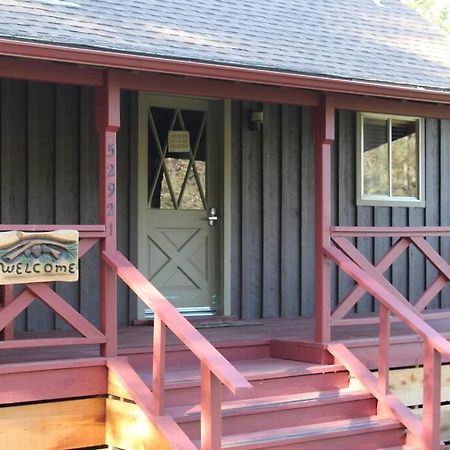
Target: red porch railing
<point>215,369</point>
<point>369,278</point>
<point>14,305</point>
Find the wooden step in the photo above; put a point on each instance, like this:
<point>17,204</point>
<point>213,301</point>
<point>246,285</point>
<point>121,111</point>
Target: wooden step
<point>267,375</point>
<point>367,433</point>
<point>272,412</point>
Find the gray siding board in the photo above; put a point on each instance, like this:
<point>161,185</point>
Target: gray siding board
<point>67,146</point>
<point>432,193</point>
<point>251,217</point>
<point>416,259</point>
<point>89,264</point>
<point>291,241</point>
<point>133,197</point>
<point>13,147</point>
<point>308,216</point>
<point>123,205</point>
<point>444,165</point>
<point>41,177</point>
<point>236,209</point>
<point>400,270</point>
<point>271,211</point>
<point>346,160</point>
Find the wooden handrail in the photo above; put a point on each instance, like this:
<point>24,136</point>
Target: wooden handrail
<point>85,231</point>
<point>435,346</point>
<point>179,325</point>
<point>389,231</point>
<point>407,315</point>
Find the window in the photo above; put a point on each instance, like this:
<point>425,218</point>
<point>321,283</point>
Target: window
<point>390,161</point>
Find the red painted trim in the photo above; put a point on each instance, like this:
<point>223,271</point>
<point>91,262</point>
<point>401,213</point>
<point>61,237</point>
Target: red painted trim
<point>49,72</point>
<point>51,365</point>
<point>142,396</point>
<point>383,106</point>
<point>66,311</point>
<point>50,342</point>
<point>403,311</point>
<point>392,405</point>
<point>176,323</point>
<point>215,71</point>
<point>357,292</point>
<point>435,287</point>
<point>211,415</point>
<point>85,231</point>
<point>431,398</point>
<point>177,85</point>
<point>107,112</point>
<point>324,119</point>
<point>18,304</point>
<point>383,359</point>
<point>7,293</point>
<point>159,365</point>
<point>66,382</point>
<point>389,231</point>
<point>85,245</point>
<point>428,315</point>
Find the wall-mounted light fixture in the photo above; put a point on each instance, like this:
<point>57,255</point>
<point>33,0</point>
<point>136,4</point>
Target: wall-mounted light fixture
<point>256,120</point>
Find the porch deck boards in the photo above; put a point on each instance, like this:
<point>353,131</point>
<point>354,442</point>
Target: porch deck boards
<point>218,331</point>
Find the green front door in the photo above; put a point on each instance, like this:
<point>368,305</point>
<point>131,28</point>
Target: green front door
<point>179,209</point>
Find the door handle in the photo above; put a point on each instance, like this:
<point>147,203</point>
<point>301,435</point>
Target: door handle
<point>212,216</point>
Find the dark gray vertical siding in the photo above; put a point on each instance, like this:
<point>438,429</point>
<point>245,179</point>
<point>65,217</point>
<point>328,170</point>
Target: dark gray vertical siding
<point>41,177</point>
<point>444,195</point>
<point>290,173</point>
<point>236,202</point>
<point>433,170</point>
<point>273,212</point>
<point>67,200</point>
<point>410,273</point>
<point>49,174</point>
<point>252,209</point>
<point>271,165</point>
<point>307,225</point>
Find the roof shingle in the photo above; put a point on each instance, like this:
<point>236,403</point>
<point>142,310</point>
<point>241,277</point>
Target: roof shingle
<point>350,39</point>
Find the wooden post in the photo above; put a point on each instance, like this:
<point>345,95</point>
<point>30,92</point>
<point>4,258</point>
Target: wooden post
<point>159,364</point>
<point>383,362</point>
<point>431,398</point>
<point>324,136</point>
<point>211,414</point>
<point>108,122</point>
<point>7,293</point>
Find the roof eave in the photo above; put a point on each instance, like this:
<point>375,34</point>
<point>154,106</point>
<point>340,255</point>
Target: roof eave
<point>59,53</point>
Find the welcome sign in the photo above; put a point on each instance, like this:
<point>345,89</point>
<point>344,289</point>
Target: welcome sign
<point>38,257</point>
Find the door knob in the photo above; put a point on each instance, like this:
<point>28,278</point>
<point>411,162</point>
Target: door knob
<point>212,216</point>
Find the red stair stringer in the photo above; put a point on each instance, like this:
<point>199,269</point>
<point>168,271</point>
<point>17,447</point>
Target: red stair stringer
<point>389,405</point>
<point>143,397</point>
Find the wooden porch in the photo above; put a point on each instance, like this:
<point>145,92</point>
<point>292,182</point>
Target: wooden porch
<point>225,333</point>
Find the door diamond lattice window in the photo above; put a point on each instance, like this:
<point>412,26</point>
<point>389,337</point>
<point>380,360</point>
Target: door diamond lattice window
<point>177,177</point>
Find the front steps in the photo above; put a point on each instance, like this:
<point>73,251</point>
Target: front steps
<point>294,405</point>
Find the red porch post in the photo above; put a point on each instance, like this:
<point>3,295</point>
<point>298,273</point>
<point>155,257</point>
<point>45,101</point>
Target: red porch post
<point>324,136</point>
<point>108,122</point>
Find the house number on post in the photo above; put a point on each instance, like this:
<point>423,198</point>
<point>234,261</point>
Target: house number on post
<point>110,187</point>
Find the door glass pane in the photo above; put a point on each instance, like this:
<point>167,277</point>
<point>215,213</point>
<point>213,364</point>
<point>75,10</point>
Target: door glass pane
<point>376,156</point>
<point>177,172</point>
<point>404,159</point>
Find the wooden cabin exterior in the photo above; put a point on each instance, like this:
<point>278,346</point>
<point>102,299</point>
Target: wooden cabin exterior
<point>259,215</point>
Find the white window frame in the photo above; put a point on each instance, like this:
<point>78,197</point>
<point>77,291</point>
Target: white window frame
<point>389,200</point>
